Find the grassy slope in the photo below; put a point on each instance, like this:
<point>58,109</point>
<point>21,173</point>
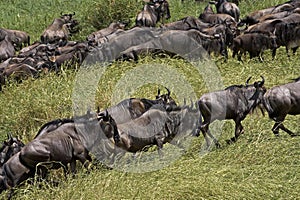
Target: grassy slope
<point>257,166</point>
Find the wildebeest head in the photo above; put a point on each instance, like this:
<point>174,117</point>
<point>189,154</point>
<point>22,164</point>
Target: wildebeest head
<point>257,95</point>
<point>67,17</point>
<point>108,125</point>
<point>10,147</point>
<point>165,99</point>
<point>162,7</point>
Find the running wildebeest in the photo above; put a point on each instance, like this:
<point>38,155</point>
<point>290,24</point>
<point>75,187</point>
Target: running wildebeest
<point>280,101</point>
<point>235,102</point>
<point>132,108</point>
<point>154,127</point>
<point>226,7</point>
<point>152,13</point>
<point>10,147</point>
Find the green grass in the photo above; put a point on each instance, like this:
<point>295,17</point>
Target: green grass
<point>258,166</point>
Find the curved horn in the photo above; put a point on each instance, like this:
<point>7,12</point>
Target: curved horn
<point>61,13</point>
<point>168,91</point>
<point>98,109</point>
<point>158,92</point>
<point>9,136</point>
<point>247,81</point>
<point>106,114</point>
<point>184,102</point>
<point>261,83</point>
<point>73,13</point>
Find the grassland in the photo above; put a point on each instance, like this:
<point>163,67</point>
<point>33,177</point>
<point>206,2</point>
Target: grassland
<point>258,166</point>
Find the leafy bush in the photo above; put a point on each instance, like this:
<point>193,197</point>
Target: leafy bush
<point>105,12</point>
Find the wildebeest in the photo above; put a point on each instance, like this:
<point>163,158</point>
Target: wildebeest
<point>152,13</point>
<point>18,37</point>
<point>209,16</point>
<point>235,102</point>
<point>154,127</point>
<point>186,23</point>
<point>10,147</point>
<point>132,108</point>
<point>60,29</point>
<point>7,48</point>
<point>98,37</point>
<point>225,7</point>
<point>280,101</point>
<point>254,43</point>
<point>254,17</point>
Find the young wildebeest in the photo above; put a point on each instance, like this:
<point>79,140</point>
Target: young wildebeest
<point>254,43</point>
<point>280,101</point>
<point>227,8</point>
<point>9,148</point>
<point>152,13</point>
<point>132,108</point>
<point>235,102</point>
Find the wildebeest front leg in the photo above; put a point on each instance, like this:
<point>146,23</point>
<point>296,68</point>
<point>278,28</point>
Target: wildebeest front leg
<point>159,144</point>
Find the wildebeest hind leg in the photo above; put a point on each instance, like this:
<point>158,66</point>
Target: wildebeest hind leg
<point>282,127</point>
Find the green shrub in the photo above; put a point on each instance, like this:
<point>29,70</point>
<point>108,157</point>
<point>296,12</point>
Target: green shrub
<point>105,12</point>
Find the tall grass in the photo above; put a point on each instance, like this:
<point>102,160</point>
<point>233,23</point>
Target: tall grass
<point>258,166</point>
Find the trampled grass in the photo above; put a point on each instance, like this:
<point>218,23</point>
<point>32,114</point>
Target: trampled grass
<point>258,166</point>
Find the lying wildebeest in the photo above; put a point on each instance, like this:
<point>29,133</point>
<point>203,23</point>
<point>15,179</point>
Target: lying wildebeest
<point>20,38</point>
<point>19,72</point>
<point>98,37</point>
<point>60,29</point>
<point>235,102</point>
<point>132,108</point>
<point>280,101</point>
<point>7,49</point>
<point>10,147</point>
<point>225,7</point>
<point>152,13</point>
<point>154,127</point>
<point>254,43</point>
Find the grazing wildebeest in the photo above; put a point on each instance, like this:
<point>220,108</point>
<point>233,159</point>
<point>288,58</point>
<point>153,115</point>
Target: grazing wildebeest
<point>132,108</point>
<point>60,29</point>
<point>98,37</point>
<point>7,49</point>
<point>229,8</point>
<point>254,43</point>
<point>10,147</point>
<point>280,101</point>
<point>20,38</point>
<point>235,102</point>
<point>152,13</point>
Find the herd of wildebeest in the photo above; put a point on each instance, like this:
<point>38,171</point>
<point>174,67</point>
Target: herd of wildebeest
<point>136,123</point>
